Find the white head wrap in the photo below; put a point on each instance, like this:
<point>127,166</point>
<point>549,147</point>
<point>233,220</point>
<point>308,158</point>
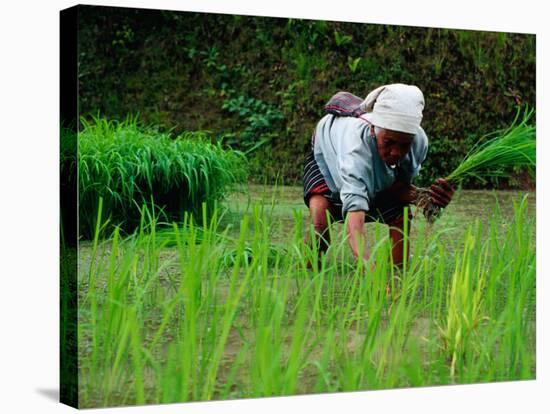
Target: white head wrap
<point>397,107</point>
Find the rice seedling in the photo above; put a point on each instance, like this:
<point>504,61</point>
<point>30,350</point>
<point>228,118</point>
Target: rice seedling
<point>495,155</point>
<point>168,318</point>
<point>128,165</point>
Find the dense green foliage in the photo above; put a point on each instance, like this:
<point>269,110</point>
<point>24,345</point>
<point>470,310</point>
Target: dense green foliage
<point>130,165</point>
<point>162,325</point>
<point>260,83</point>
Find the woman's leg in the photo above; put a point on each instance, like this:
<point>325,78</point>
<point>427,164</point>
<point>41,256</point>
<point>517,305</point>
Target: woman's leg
<point>397,232</point>
<point>318,208</point>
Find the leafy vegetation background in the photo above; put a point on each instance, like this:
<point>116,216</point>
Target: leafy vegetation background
<point>258,84</point>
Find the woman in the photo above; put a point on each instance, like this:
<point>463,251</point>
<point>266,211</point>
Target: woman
<point>365,155</point>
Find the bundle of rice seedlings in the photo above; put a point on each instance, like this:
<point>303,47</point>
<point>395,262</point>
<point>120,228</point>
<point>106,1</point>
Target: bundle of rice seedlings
<point>493,156</point>
<point>129,165</point>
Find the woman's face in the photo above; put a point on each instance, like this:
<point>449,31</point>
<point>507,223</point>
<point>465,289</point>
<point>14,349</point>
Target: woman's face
<point>392,145</point>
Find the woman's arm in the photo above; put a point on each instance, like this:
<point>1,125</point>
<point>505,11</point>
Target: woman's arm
<point>356,233</point>
<point>403,191</point>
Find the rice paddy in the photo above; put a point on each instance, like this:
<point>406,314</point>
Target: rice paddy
<point>229,309</point>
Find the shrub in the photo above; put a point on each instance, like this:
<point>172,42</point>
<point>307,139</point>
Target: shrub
<point>259,121</point>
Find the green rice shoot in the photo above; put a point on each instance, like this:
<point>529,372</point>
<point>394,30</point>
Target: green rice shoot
<point>495,155</point>
<point>161,324</point>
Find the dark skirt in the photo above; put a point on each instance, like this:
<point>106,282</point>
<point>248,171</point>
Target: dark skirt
<point>385,208</point>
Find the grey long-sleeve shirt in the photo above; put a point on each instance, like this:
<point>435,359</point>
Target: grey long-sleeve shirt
<point>346,152</point>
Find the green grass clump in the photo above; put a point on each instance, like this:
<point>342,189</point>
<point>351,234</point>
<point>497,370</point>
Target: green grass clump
<point>130,165</point>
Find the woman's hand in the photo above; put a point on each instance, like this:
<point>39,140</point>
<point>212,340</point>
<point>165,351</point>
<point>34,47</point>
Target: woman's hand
<point>356,234</point>
<point>403,192</point>
<point>441,192</point>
